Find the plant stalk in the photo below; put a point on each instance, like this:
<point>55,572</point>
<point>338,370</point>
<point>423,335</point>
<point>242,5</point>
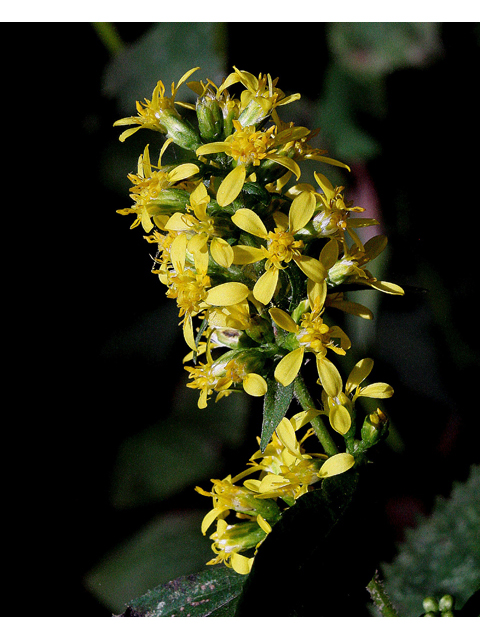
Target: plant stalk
<point>305,399</point>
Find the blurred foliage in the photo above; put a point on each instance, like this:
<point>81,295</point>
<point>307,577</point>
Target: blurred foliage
<point>442,554</point>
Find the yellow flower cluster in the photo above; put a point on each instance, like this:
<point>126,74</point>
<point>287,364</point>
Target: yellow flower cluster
<point>286,472</point>
<point>253,258</point>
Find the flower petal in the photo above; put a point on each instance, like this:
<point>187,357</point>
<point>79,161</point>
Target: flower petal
<point>177,222</point>
<point>227,294</point>
<point>182,172</point>
<point>329,376</point>
<point>283,320</point>
<point>287,369</point>
<point>250,222</point>
<point>177,252</point>
<point>377,390</point>
<point>311,267</point>
<point>340,419</point>
<point>286,162</point>
<point>188,335</point>
<point>231,186</point>
<point>301,211</point>
<point>221,252</point>
<point>241,564</point>
<point>325,185</point>
<point>243,254</point>
<point>255,385</point>
<point>360,371</point>
<point>329,254</point>
<point>387,287</point>
<point>338,463</point>
<point>286,435</point>
<point>212,147</point>
<point>265,286</point>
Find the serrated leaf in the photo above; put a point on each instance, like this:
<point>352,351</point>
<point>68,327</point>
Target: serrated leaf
<point>276,404</point>
<point>442,554</point>
<point>213,592</point>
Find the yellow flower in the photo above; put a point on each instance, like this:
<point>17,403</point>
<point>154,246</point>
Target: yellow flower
<point>160,114</point>
<point>248,147</point>
<point>333,218</point>
<point>341,406</point>
<point>227,496</point>
<point>148,187</point>
<point>281,246</point>
<point>302,150</point>
<point>260,98</point>
<point>190,289</point>
<point>233,368</point>
<point>287,471</point>
<point>314,336</point>
<point>230,539</point>
<point>348,269</point>
<point>197,232</point>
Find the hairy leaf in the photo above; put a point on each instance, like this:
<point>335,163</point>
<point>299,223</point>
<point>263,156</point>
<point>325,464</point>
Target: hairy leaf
<point>276,404</point>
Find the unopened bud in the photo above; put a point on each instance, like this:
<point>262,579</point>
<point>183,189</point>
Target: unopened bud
<point>430,606</point>
<point>179,130</point>
<point>210,119</point>
<point>170,201</point>
<point>374,428</point>
<point>445,604</point>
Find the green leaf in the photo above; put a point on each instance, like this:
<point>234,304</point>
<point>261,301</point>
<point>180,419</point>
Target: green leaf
<point>213,592</point>
<point>442,554</point>
<point>319,557</point>
<point>276,403</point>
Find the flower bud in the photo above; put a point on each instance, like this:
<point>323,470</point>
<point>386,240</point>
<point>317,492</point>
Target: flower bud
<point>445,604</point>
<point>374,428</point>
<point>230,113</point>
<point>169,201</point>
<point>256,111</point>
<point>210,119</point>
<point>430,606</point>
<point>179,130</point>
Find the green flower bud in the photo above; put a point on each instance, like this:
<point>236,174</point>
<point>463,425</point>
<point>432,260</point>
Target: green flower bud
<point>169,201</point>
<point>446,603</point>
<point>210,119</point>
<point>374,428</point>
<point>430,606</point>
<point>235,538</point>
<point>230,113</point>
<point>178,129</point>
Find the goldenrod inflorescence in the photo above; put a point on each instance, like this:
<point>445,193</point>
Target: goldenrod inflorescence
<point>253,258</point>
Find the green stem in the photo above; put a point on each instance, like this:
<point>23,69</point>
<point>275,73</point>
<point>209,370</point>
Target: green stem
<point>380,598</point>
<point>305,399</point>
<point>109,36</point>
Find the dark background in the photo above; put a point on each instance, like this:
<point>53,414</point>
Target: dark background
<point>80,389</point>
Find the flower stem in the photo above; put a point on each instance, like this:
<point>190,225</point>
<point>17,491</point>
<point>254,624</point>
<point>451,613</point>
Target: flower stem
<point>380,598</point>
<point>305,399</point>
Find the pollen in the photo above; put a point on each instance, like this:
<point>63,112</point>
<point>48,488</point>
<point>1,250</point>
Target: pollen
<point>248,146</point>
<point>282,247</point>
